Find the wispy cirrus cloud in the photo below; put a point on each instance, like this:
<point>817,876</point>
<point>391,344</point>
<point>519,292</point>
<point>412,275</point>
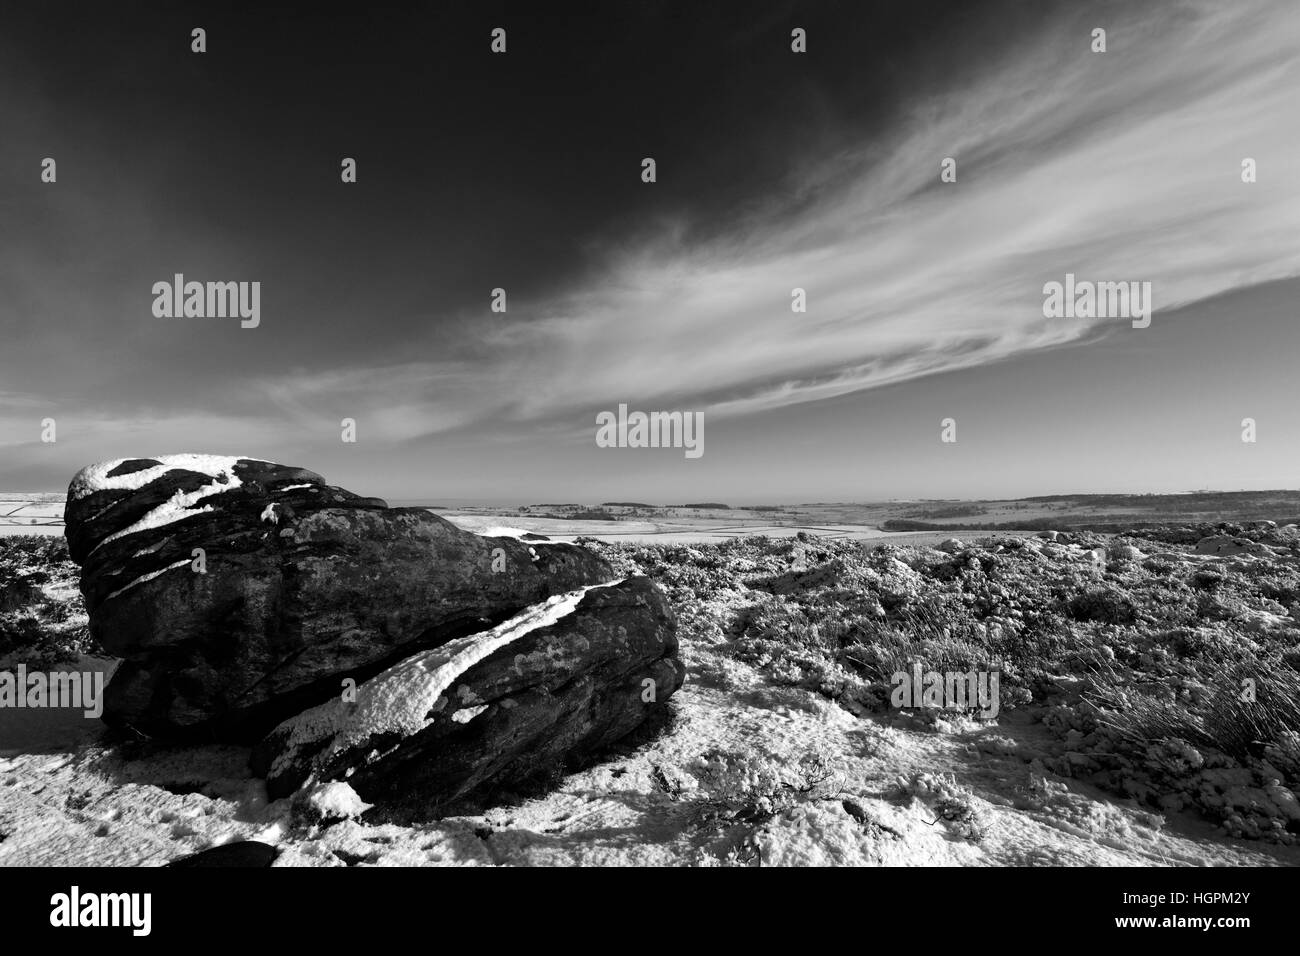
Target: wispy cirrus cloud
<point>1118,166</point>
<point>1123,165</point>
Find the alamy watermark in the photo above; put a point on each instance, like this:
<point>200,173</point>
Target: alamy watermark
<point>208,300</point>
<point>56,689</point>
<point>75,908</point>
<point>1084,299</point>
<point>947,690</point>
<point>653,430</point>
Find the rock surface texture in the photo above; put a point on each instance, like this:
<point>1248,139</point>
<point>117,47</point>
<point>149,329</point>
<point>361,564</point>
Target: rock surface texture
<point>240,593</point>
<point>560,681</point>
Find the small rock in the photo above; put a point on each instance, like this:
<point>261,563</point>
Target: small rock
<point>329,803</point>
<point>245,853</point>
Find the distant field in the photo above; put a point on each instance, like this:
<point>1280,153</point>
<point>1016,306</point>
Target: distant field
<point>918,521</point>
<point>914,521</point>
<point>31,513</point>
<point>685,530</point>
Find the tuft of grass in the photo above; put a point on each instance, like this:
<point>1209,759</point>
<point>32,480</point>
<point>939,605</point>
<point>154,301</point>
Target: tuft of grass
<point>1254,706</point>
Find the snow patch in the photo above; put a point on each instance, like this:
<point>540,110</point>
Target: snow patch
<point>148,577</point>
<point>335,801</point>
<point>400,699</point>
<point>95,477</point>
<point>502,531</point>
<point>220,468</point>
<point>466,714</point>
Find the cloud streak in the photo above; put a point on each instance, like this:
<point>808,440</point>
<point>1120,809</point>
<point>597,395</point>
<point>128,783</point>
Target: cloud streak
<point>1116,166</point>
<point>1119,166</point>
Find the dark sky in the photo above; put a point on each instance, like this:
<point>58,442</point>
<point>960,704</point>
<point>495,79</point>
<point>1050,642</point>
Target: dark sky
<point>522,171</point>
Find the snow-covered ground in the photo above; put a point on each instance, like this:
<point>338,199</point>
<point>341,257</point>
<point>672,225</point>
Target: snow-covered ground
<point>43,515</point>
<point>633,531</point>
<point>31,513</point>
<point>749,770</point>
<point>860,792</point>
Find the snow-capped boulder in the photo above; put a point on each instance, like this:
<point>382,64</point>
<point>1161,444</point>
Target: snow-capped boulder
<point>442,728</point>
<point>240,592</point>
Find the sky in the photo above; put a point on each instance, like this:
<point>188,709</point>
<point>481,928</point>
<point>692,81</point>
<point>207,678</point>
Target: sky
<point>775,170</point>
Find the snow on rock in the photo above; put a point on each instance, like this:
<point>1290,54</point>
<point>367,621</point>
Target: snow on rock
<point>446,729</point>
<point>148,577</point>
<point>399,700</point>
<point>357,579</point>
<point>330,802</point>
<point>100,477</point>
<point>178,506</point>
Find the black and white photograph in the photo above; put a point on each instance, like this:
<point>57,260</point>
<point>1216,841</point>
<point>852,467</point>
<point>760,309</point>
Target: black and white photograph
<point>652,434</point>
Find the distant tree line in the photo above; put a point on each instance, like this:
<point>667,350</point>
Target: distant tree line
<point>956,511</point>
<point>1052,524</point>
<point>1227,502</point>
<point>1025,524</point>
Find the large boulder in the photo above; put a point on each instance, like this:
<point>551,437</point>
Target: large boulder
<point>444,728</point>
<point>240,592</point>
